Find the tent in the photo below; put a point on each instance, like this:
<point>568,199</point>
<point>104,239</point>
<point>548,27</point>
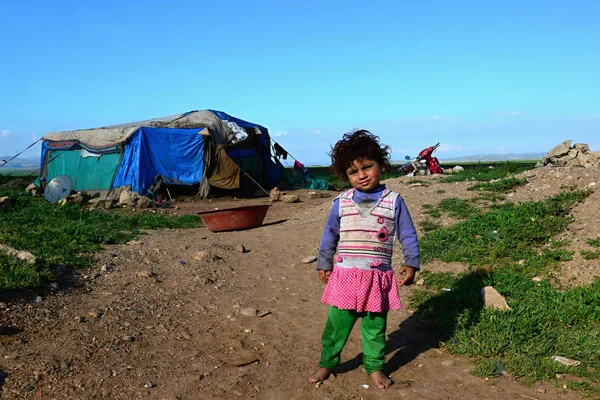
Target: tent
<point>209,148</point>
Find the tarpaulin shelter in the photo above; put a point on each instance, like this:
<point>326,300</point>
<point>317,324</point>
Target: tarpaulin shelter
<point>209,148</point>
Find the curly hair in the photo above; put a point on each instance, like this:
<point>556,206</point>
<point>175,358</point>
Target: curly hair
<point>356,145</point>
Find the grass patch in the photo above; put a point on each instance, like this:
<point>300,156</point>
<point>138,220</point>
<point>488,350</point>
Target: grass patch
<point>428,225</point>
<point>499,186</point>
<point>420,181</point>
<point>457,208</point>
<point>506,234</point>
<point>67,235</point>
<point>590,254</point>
<point>486,174</point>
<point>543,321</point>
<point>594,242</point>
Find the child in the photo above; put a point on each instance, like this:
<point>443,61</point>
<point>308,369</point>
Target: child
<point>362,225</point>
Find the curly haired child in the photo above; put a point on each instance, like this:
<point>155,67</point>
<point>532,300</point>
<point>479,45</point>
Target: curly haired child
<point>362,227</point>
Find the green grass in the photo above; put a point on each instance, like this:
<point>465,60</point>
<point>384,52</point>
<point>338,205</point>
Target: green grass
<point>67,236</point>
<point>428,225</point>
<point>499,186</point>
<point>544,320</point>
<point>594,242</point>
<point>415,181</point>
<point>455,207</point>
<point>485,174</point>
<point>590,254</point>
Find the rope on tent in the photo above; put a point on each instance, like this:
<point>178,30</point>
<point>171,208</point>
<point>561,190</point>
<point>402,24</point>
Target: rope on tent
<point>4,162</point>
<point>248,175</point>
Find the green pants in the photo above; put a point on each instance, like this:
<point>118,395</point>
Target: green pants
<point>338,328</point>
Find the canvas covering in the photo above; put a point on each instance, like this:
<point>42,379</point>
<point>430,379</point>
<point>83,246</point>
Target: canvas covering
<point>183,148</point>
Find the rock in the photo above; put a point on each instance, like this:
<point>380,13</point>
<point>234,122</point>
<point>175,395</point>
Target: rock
<point>145,274</point>
<point>247,311</point>
<point>240,359</point>
<point>493,299</point>
<point>559,150</point>
<point>144,202</point>
<point>420,282</point>
<point>536,279</point>
<point>566,361</point>
<point>106,268</point>
<point>318,195</point>
<point>20,255</point>
<point>241,248</point>
<point>290,198</point>
<point>309,259</point>
<point>275,194</point>
<point>579,155</point>
<point>457,169</point>
<point>30,188</point>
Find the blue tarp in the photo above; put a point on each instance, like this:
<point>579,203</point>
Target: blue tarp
<point>176,154</point>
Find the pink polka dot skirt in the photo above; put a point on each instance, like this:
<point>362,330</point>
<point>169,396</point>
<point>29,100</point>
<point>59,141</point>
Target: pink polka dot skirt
<point>362,290</point>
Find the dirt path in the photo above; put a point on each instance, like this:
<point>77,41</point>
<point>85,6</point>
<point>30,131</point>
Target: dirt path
<point>165,317</point>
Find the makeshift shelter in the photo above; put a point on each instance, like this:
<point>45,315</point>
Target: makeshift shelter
<point>209,148</point>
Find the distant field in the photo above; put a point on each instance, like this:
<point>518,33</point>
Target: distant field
<point>17,172</point>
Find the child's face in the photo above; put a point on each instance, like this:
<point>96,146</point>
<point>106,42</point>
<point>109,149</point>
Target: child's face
<point>364,174</point>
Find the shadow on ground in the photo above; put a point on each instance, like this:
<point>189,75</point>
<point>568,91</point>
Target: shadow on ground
<point>433,322</point>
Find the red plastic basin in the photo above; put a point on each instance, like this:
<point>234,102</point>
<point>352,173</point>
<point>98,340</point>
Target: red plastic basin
<point>235,218</point>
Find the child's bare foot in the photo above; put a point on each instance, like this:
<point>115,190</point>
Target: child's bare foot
<point>319,376</point>
<point>380,380</point>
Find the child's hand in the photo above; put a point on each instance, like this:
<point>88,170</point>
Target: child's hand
<point>324,275</point>
<point>406,276</point>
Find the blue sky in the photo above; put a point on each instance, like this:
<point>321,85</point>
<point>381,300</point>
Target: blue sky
<point>478,76</point>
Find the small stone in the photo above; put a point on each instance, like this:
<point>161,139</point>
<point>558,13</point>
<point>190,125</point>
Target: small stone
<point>536,279</point>
<point>128,338</point>
<point>79,318</point>
<point>420,282</point>
<point>247,311</point>
<point>149,385</point>
<point>106,392</point>
<point>106,268</point>
<point>241,248</point>
<point>309,259</point>
<point>290,198</point>
<point>248,330</point>
<point>3,305</point>
<point>38,299</point>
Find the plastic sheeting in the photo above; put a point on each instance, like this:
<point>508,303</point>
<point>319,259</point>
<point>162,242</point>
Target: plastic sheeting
<point>176,154</point>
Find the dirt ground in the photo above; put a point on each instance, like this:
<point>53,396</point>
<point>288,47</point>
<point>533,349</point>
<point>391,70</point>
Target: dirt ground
<point>184,314</point>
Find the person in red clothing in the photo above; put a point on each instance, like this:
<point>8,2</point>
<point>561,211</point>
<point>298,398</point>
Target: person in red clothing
<point>362,227</point>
